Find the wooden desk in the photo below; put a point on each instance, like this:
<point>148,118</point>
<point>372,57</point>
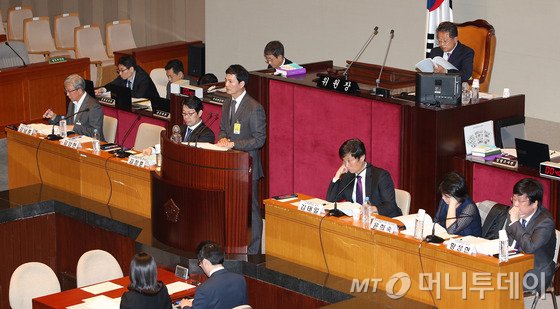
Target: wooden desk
<point>75,296</point>
<point>26,93</point>
<point>353,252</point>
<point>100,177</point>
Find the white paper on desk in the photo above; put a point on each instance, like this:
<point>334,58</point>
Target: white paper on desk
<point>44,129</point>
<point>483,246</point>
<point>101,287</point>
<point>178,286</point>
<point>348,208</point>
<point>207,146</point>
<point>410,221</point>
<point>102,302</point>
<point>315,200</point>
<point>79,306</point>
<point>82,139</point>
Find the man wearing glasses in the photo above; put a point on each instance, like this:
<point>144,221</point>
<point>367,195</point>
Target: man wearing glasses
<point>449,47</point>
<point>132,76</point>
<point>88,114</point>
<point>531,229</point>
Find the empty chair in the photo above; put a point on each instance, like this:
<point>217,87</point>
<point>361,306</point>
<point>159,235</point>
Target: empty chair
<point>9,59</point>
<point>88,42</point>
<point>64,25</point>
<point>118,36</point>
<point>403,201</point>
<point>159,78</point>
<point>16,15</point>
<point>31,280</point>
<point>38,38</point>
<point>147,136</point>
<point>2,29</point>
<point>97,266</point>
<point>109,128</point>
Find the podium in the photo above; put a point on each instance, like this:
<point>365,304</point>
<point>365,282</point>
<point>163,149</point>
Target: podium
<point>201,195</point>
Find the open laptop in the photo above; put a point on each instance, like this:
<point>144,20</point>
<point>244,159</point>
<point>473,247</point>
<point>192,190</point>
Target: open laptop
<point>531,154</point>
<point>122,96</point>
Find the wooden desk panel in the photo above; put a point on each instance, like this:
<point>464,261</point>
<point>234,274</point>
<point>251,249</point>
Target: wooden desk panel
<point>355,253</point>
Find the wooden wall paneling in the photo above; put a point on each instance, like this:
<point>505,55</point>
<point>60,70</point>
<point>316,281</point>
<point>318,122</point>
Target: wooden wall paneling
<point>269,296</point>
<point>131,187</point>
<point>21,150</point>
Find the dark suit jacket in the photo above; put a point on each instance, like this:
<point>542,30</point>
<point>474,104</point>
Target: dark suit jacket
<point>223,290</point>
<point>203,135</point>
<point>286,61</point>
<point>136,300</point>
<point>143,86</point>
<point>250,114</point>
<point>379,188</point>
<point>538,238</point>
<point>86,122</point>
<point>462,58</point>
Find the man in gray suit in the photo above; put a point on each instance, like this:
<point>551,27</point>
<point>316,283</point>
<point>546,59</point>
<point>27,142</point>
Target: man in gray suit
<point>243,127</point>
<point>532,228</point>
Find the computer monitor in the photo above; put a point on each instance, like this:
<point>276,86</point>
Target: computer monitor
<point>122,96</point>
<point>530,153</point>
<point>507,130</point>
<point>437,89</point>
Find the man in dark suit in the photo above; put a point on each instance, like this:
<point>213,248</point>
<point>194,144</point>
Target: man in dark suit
<point>90,115</point>
<point>133,77</point>
<point>372,182</point>
<point>193,129</point>
<point>274,55</point>
<point>459,55</point>
<point>532,228</point>
<point>223,289</point>
<point>174,70</point>
<point>243,127</point>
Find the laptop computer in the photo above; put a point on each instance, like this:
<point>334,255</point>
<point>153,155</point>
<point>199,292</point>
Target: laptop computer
<point>122,96</point>
<point>531,154</point>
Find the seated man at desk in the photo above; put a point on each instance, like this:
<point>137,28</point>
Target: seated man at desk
<point>223,289</point>
<point>133,77</point>
<point>357,179</point>
<point>84,114</point>
<point>450,49</point>
<point>174,70</point>
<point>532,229</point>
<point>274,55</point>
<point>193,129</point>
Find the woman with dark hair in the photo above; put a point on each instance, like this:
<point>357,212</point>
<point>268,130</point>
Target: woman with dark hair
<point>457,212</point>
<point>144,290</point>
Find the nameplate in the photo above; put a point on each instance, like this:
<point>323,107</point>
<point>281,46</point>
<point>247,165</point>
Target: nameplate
<point>459,245</point>
<point>505,162</point>
<point>310,207</point>
<point>57,59</point>
<point>72,143</point>
<point>109,101</point>
<point>384,226</point>
<point>337,83</point>
<point>138,161</point>
<point>26,129</point>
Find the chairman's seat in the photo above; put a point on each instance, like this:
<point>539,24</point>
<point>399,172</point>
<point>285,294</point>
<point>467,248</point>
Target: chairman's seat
<point>16,15</point>
<point>64,25</point>
<point>118,36</point>
<point>40,43</point>
<point>89,44</point>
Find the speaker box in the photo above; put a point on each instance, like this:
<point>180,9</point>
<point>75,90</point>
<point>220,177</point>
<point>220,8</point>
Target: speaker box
<point>196,60</point>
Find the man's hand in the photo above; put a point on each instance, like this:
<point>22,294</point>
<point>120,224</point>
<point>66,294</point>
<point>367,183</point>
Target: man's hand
<point>514,214</point>
<point>439,69</point>
<point>186,303</point>
<point>48,114</point>
<point>147,151</point>
<point>341,170</point>
<point>224,142</point>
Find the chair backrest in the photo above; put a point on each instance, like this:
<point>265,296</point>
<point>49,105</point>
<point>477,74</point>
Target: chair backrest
<point>403,201</point>
<point>97,266</point>
<point>31,280</point>
<point>89,44</point>
<point>64,25</point>
<point>494,216</point>
<point>159,78</point>
<point>110,128</point>
<point>147,136</point>
<point>9,59</point>
<point>480,36</point>
<point>2,29</point>
<point>16,15</point>
<point>118,36</point>
<point>37,34</point>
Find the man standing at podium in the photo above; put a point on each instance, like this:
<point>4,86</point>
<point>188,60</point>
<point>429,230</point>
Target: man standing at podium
<point>243,127</point>
<point>357,179</point>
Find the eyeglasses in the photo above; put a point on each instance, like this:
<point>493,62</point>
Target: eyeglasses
<point>519,199</point>
<point>444,42</point>
<point>188,114</point>
<point>269,59</point>
<point>121,71</point>
<point>70,91</point>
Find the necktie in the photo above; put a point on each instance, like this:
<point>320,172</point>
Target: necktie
<point>128,84</point>
<point>448,56</point>
<point>232,111</point>
<point>359,190</point>
<point>523,223</point>
<point>189,131</point>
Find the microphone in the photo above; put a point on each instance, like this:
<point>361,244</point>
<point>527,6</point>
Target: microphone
<point>380,91</point>
<point>54,137</point>
<point>121,153</point>
<point>373,34</point>
<point>206,127</point>
<point>436,239</point>
<point>15,52</point>
<point>335,212</point>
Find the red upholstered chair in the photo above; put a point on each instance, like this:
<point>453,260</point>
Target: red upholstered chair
<point>480,36</point>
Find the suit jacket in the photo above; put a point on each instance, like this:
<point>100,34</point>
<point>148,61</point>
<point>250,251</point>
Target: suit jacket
<point>85,122</point>
<point>143,86</point>
<point>203,135</point>
<point>286,61</point>
<point>252,136</point>
<point>136,300</point>
<point>223,290</point>
<point>379,187</point>
<point>462,58</point>
<point>538,238</point>
<point>468,220</point>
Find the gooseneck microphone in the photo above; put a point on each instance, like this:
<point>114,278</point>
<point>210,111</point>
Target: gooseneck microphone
<point>384,92</point>
<point>206,127</point>
<point>335,212</point>
<point>436,239</point>
<point>373,34</point>
<point>15,52</point>
<point>54,137</point>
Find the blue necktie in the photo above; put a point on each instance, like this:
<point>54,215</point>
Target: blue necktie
<point>189,131</point>
<point>359,191</point>
<point>523,223</point>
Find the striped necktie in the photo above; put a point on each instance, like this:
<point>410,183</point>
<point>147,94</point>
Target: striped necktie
<point>189,131</point>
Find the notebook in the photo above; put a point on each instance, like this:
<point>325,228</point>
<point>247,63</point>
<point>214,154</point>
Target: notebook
<point>531,154</point>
